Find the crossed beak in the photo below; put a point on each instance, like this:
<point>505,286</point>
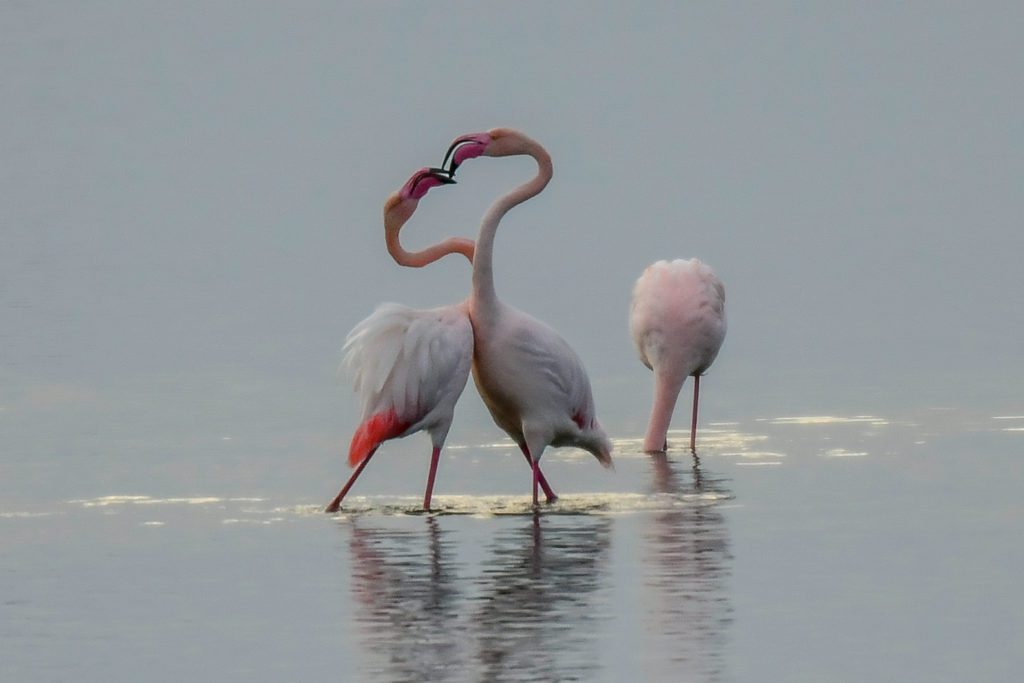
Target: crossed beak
<point>442,176</point>
<point>439,174</point>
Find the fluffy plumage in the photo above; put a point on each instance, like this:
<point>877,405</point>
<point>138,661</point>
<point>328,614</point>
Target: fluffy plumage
<point>409,366</point>
<point>677,320</point>
<point>411,363</point>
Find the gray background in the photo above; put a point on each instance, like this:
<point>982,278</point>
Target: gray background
<point>191,192</point>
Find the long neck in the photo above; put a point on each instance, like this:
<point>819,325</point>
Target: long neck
<point>418,259</point>
<point>666,391</point>
<point>483,263</point>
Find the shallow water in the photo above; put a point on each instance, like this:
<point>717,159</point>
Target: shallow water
<point>794,548</point>
<point>190,222</point>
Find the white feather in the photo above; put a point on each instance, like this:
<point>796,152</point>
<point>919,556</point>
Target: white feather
<point>415,362</point>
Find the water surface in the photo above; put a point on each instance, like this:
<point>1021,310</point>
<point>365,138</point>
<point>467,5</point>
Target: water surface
<point>792,548</point>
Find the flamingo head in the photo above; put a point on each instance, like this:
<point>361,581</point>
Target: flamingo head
<point>465,147</point>
<point>497,142</point>
<point>417,186</point>
<point>400,205</point>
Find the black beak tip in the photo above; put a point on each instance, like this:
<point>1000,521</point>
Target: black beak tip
<point>443,176</point>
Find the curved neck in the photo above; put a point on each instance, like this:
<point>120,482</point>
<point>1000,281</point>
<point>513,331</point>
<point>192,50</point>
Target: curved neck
<point>483,268</point>
<point>666,391</point>
<point>418,259</point>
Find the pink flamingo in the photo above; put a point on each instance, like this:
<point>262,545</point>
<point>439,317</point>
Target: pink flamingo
<point>677,319</point>
<point>410,365</point>
<point>530,379</point>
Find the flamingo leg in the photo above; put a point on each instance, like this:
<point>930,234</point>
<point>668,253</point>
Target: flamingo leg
<point>336,503</point>
<point>430,478</point>
<point>536,477</point>
<point>693,423</point>
<point>548,493</point>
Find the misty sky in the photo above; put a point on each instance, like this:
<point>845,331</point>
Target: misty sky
<point>191,193</point>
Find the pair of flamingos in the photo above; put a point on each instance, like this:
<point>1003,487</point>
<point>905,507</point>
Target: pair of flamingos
<point>411,365</point>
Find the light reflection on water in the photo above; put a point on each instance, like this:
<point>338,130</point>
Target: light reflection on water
<point>533,598</point>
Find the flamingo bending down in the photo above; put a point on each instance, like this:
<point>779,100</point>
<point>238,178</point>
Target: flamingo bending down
<point>410,365</point>
<point>530,379</point>
<point>677,319</point>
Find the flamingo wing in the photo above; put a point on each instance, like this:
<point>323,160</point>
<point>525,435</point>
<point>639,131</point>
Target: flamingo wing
<point>409,368</point>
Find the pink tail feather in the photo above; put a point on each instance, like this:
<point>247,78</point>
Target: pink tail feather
<point>371,433</point>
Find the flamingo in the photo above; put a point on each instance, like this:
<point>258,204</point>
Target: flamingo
<point>677,320</point>
<point>530,379</point>
<point>410,365</point>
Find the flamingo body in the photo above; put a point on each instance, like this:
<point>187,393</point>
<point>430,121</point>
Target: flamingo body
<point>677,320</point>
<point>535,386</point>
<point>410,367</point>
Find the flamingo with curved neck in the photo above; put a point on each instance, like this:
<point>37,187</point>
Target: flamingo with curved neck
<point>398,209</point>
<point>396,214</point>
<point>410,365</point>
<point>530,379</point>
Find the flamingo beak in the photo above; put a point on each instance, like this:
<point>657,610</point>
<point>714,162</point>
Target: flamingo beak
<point>464,147</point>
<point>442,176</point>
<point>420,183</point>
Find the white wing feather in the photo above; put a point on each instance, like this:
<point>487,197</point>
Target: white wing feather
<point>415,362</point>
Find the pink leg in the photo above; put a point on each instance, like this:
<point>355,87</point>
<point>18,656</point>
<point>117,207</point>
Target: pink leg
<point>548,493</point>
<point>430,478</point>
<point>536,478</point>
<point>693,423</point>
<point>336,503</point>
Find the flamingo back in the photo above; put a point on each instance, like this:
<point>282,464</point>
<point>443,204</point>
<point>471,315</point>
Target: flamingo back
<point>677,316</point>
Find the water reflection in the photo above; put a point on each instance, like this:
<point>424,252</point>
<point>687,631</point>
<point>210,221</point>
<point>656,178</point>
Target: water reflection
<point>686,567</point>
<point>539,596</point>
<point>529,614</point>
<point>406,584</point>
<point>538,617</point>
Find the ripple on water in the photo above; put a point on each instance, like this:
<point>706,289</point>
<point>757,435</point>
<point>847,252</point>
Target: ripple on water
<point>569,504</point>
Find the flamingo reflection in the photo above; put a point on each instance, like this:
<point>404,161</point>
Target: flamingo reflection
<point>409,595</point>
<point>529,614</point>
<point>541,610</point>
<point>687,566</point>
